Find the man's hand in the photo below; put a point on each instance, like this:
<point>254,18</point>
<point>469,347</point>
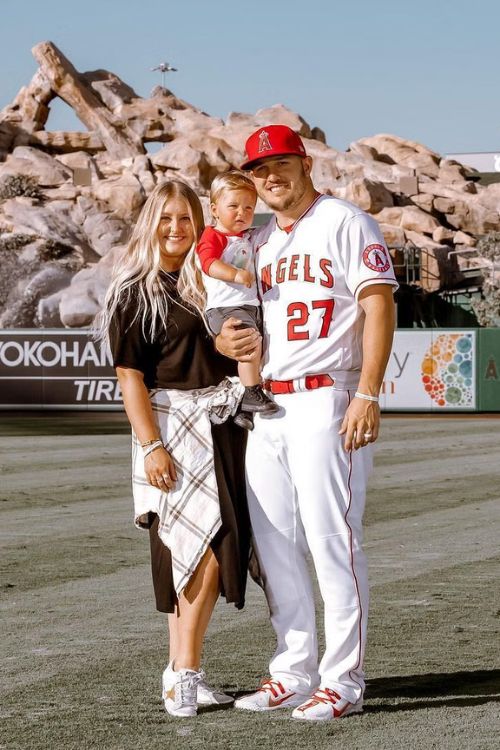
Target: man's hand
<point>238,343</point>
<point>361,424</point>
<point>244,277</point>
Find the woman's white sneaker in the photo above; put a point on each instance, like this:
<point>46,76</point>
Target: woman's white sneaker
<point>209,696</point>
<point>271,695</point>
<point>179,691</point>
<point>326,704</point>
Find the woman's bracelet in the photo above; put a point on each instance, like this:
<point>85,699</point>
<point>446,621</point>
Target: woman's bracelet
<point>149,442</point>
<point>153,447</point>
<point>365,397</point>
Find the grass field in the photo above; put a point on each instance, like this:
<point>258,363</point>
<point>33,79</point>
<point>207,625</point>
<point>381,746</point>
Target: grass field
<point>82,648</point>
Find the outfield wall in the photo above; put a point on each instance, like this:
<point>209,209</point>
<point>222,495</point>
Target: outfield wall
<point>429,370</point>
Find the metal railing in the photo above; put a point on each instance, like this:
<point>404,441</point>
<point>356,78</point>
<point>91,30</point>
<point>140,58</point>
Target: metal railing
<point>415,265</point>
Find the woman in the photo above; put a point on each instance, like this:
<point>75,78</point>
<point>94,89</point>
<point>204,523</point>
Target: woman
<point>161,349</point>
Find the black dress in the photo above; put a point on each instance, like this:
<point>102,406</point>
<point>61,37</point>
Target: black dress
<point>184,358</point>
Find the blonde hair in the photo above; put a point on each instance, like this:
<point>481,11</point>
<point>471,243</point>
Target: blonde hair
<point>138,269</point>
<point>232,180</point>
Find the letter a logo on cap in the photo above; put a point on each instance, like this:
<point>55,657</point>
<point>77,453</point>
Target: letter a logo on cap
<point>272,140</point>
<point>264,144</point>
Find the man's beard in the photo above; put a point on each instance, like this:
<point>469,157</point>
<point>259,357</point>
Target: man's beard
<point>287,201</point>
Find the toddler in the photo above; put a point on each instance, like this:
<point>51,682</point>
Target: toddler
<point>226,260</point>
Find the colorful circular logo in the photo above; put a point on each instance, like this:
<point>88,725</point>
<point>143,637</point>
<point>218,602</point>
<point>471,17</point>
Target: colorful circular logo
<point>375,257</point>
<point>447,370</point>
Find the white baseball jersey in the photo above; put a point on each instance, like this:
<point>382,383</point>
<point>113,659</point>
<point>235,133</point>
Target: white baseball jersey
<point>309,277</point>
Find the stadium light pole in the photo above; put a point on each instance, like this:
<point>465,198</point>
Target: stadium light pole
<point>164,67</point>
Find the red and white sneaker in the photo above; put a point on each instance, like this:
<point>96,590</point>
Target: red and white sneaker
<point>270,695</point>
<point>326,704</point>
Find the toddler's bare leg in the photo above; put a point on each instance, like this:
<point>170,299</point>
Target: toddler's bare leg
<point>249,372</point>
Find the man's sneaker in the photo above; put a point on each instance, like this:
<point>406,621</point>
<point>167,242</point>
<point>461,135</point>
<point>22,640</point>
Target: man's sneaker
<point>179,691</point>
<point>270,695</point>
<point>255,400</point>
<point>209,696</point>
<point>326,704</point>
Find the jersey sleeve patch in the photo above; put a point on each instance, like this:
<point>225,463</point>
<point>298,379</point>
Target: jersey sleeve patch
<point>375,257</point>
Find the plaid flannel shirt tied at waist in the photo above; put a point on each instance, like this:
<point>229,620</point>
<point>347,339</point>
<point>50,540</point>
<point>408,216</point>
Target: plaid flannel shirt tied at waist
<point>189,514</point>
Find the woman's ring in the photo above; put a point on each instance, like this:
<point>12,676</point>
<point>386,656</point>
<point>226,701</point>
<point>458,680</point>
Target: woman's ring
<point>166,477</point>
<point>368,434</point>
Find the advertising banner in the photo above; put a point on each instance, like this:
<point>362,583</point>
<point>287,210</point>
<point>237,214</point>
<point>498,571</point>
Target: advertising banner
<point>431,370</point>
<point>55,369</point>
<point>488,365</point>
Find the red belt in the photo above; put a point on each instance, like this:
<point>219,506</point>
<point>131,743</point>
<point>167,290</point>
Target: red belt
<point>309,383</point>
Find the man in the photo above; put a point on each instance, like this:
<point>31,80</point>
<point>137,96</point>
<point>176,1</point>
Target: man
<point>326,283</point>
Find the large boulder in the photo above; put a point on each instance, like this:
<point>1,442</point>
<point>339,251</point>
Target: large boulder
<point>451,171</point>
<point>368,195</point>
<point>124,195</point>
<point>394,150</point>
<point>468,216</point>
<point>83,299</point>
<point>441,234</point>
<point>8,134</point>
<point>30,108</point>
<point>77,160</point>
<point>66,141</point>
<point>47,311</point>
<point>393,235</point>
<point>179,158</point>
<point>423,201</point>
<point>352,165</point>
<point>21,306</point>
<point>32,162</point>
<point>111,90</point>
<point>489,196</point>
<point>409,217</point>
<point>51,222</point>
<point>104,231</point>
<point>78,308</point>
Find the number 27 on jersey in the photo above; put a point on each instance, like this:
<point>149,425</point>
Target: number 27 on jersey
<point>298,317</point>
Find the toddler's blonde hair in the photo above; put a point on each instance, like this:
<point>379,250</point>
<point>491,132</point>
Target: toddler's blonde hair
<point>232,180</point>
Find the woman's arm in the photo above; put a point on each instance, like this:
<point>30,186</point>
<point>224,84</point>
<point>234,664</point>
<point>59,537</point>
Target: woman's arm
<point>158,465</point>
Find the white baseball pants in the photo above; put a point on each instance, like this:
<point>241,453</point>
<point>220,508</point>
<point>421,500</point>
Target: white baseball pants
<point>306,493</point>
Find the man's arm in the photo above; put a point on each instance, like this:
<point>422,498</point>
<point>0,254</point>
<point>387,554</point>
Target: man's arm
<point>364,416</point>
<point>237,343</point>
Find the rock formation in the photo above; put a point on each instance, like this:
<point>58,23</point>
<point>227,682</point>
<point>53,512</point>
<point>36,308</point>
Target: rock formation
<point>68,199</point>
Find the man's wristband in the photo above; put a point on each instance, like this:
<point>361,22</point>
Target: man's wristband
<point>366,397</point>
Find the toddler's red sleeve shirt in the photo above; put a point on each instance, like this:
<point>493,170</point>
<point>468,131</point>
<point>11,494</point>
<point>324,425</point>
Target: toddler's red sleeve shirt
<point>210,247</point>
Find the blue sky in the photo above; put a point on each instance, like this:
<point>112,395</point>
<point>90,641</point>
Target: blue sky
<point>425,70</point>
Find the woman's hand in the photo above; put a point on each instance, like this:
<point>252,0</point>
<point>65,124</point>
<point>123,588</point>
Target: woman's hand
<point>238,343</point>
<point>160,469</point>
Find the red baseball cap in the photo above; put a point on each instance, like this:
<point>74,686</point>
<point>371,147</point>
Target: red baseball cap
<point>272,140</point>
